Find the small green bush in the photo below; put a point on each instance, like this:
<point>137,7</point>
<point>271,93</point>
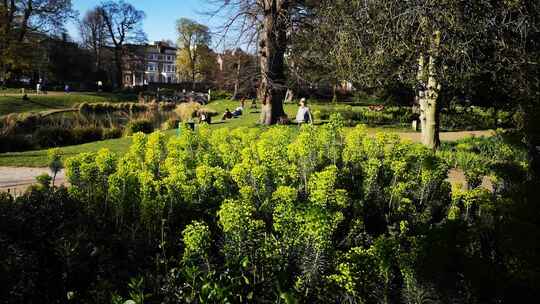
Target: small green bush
<point>140,125</point>
<point>220,94</point>
<point>16,143</point>
<point>53,137</point>
<point>165,91</point>
<point>44,180</point>
<point>60,136</point>
<point>171,123</point>
<point>362,115</point>
<point>132,107</point>
<point>87,134</point>
<point>167,106</point>
<point>361,97</point>
<point>15,124</point>
<point>475,118</point>
<point>189,110</point>
<point>112,133</point>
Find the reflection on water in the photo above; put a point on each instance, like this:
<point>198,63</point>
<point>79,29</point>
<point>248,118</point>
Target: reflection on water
<point>117,119</point>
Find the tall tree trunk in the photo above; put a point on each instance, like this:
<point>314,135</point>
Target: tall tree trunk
<point>193,63</point>
<point>119,66</point>
<point>273,44</point>
<point>289,96</point>
<point>531,128</point>
<point>429,99</point>
<point>237,81</point>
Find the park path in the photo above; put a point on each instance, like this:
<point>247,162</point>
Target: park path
<point>446,136</point>
<point>17,179</point>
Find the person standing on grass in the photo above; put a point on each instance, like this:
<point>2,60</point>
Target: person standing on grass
<point>304,114</point>
<point>38,88</point>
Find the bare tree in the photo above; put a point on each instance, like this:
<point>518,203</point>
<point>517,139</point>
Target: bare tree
<point>124,25</point>
<point>94,34</point>
<point>271,23</point>
<point>238,72</point>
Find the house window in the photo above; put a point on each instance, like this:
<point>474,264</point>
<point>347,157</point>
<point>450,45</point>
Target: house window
<point>168,68</point>
<point>152,67</point>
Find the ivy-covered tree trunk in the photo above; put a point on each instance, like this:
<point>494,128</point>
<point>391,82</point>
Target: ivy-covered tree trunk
<point>429,97</point>
<point>272,47</point>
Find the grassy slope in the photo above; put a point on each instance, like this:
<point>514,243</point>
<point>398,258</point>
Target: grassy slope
<point>39,158</point>
<point>13,103</point>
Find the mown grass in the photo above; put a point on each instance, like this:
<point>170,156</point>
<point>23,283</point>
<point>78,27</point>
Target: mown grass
<point>14,103</point>
<point>39,158</point>
<point>120,146</point>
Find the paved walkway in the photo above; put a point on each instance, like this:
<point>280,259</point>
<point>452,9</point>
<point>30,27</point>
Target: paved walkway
<point>17,179</point>
<point>446,136</point>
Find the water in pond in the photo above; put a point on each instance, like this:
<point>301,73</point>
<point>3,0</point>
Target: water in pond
<point>117,119</point>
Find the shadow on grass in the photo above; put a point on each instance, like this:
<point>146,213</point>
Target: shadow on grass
<point>45,105</point>
<point>113,96</point>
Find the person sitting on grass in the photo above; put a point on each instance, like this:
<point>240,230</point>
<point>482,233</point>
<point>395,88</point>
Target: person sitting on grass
<point>238,111</point>
<point>205,118</point>
<point>227,115</point>
<point>304,114</point>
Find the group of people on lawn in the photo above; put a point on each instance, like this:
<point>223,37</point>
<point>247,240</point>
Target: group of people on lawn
<point>302,116</point>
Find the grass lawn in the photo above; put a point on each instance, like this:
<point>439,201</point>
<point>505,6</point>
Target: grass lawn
<point>249,119</point>
<point>13,103</point>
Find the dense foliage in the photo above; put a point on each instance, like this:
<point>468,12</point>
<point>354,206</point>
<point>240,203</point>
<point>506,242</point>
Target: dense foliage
<point>93,122</point>
<point>453,119</point>
<point>322,215</point>
<point>56,136</point>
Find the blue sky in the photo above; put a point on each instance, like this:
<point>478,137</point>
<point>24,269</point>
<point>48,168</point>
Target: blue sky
<point>161,15</point>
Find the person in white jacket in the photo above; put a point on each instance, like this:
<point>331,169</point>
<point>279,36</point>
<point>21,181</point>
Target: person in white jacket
<point>304,114</point>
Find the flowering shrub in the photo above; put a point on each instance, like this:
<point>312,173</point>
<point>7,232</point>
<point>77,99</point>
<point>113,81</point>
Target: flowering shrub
<point>277,200</point>
<point>311,214</point>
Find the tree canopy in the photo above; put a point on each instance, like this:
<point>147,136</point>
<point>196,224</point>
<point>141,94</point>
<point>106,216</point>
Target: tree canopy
<point>440,49</point>
<point>124,25</point>
<point>195,60</point>
<point>21,23</point>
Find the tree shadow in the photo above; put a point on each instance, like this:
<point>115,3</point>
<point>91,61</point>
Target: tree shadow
<point>45,105</point>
